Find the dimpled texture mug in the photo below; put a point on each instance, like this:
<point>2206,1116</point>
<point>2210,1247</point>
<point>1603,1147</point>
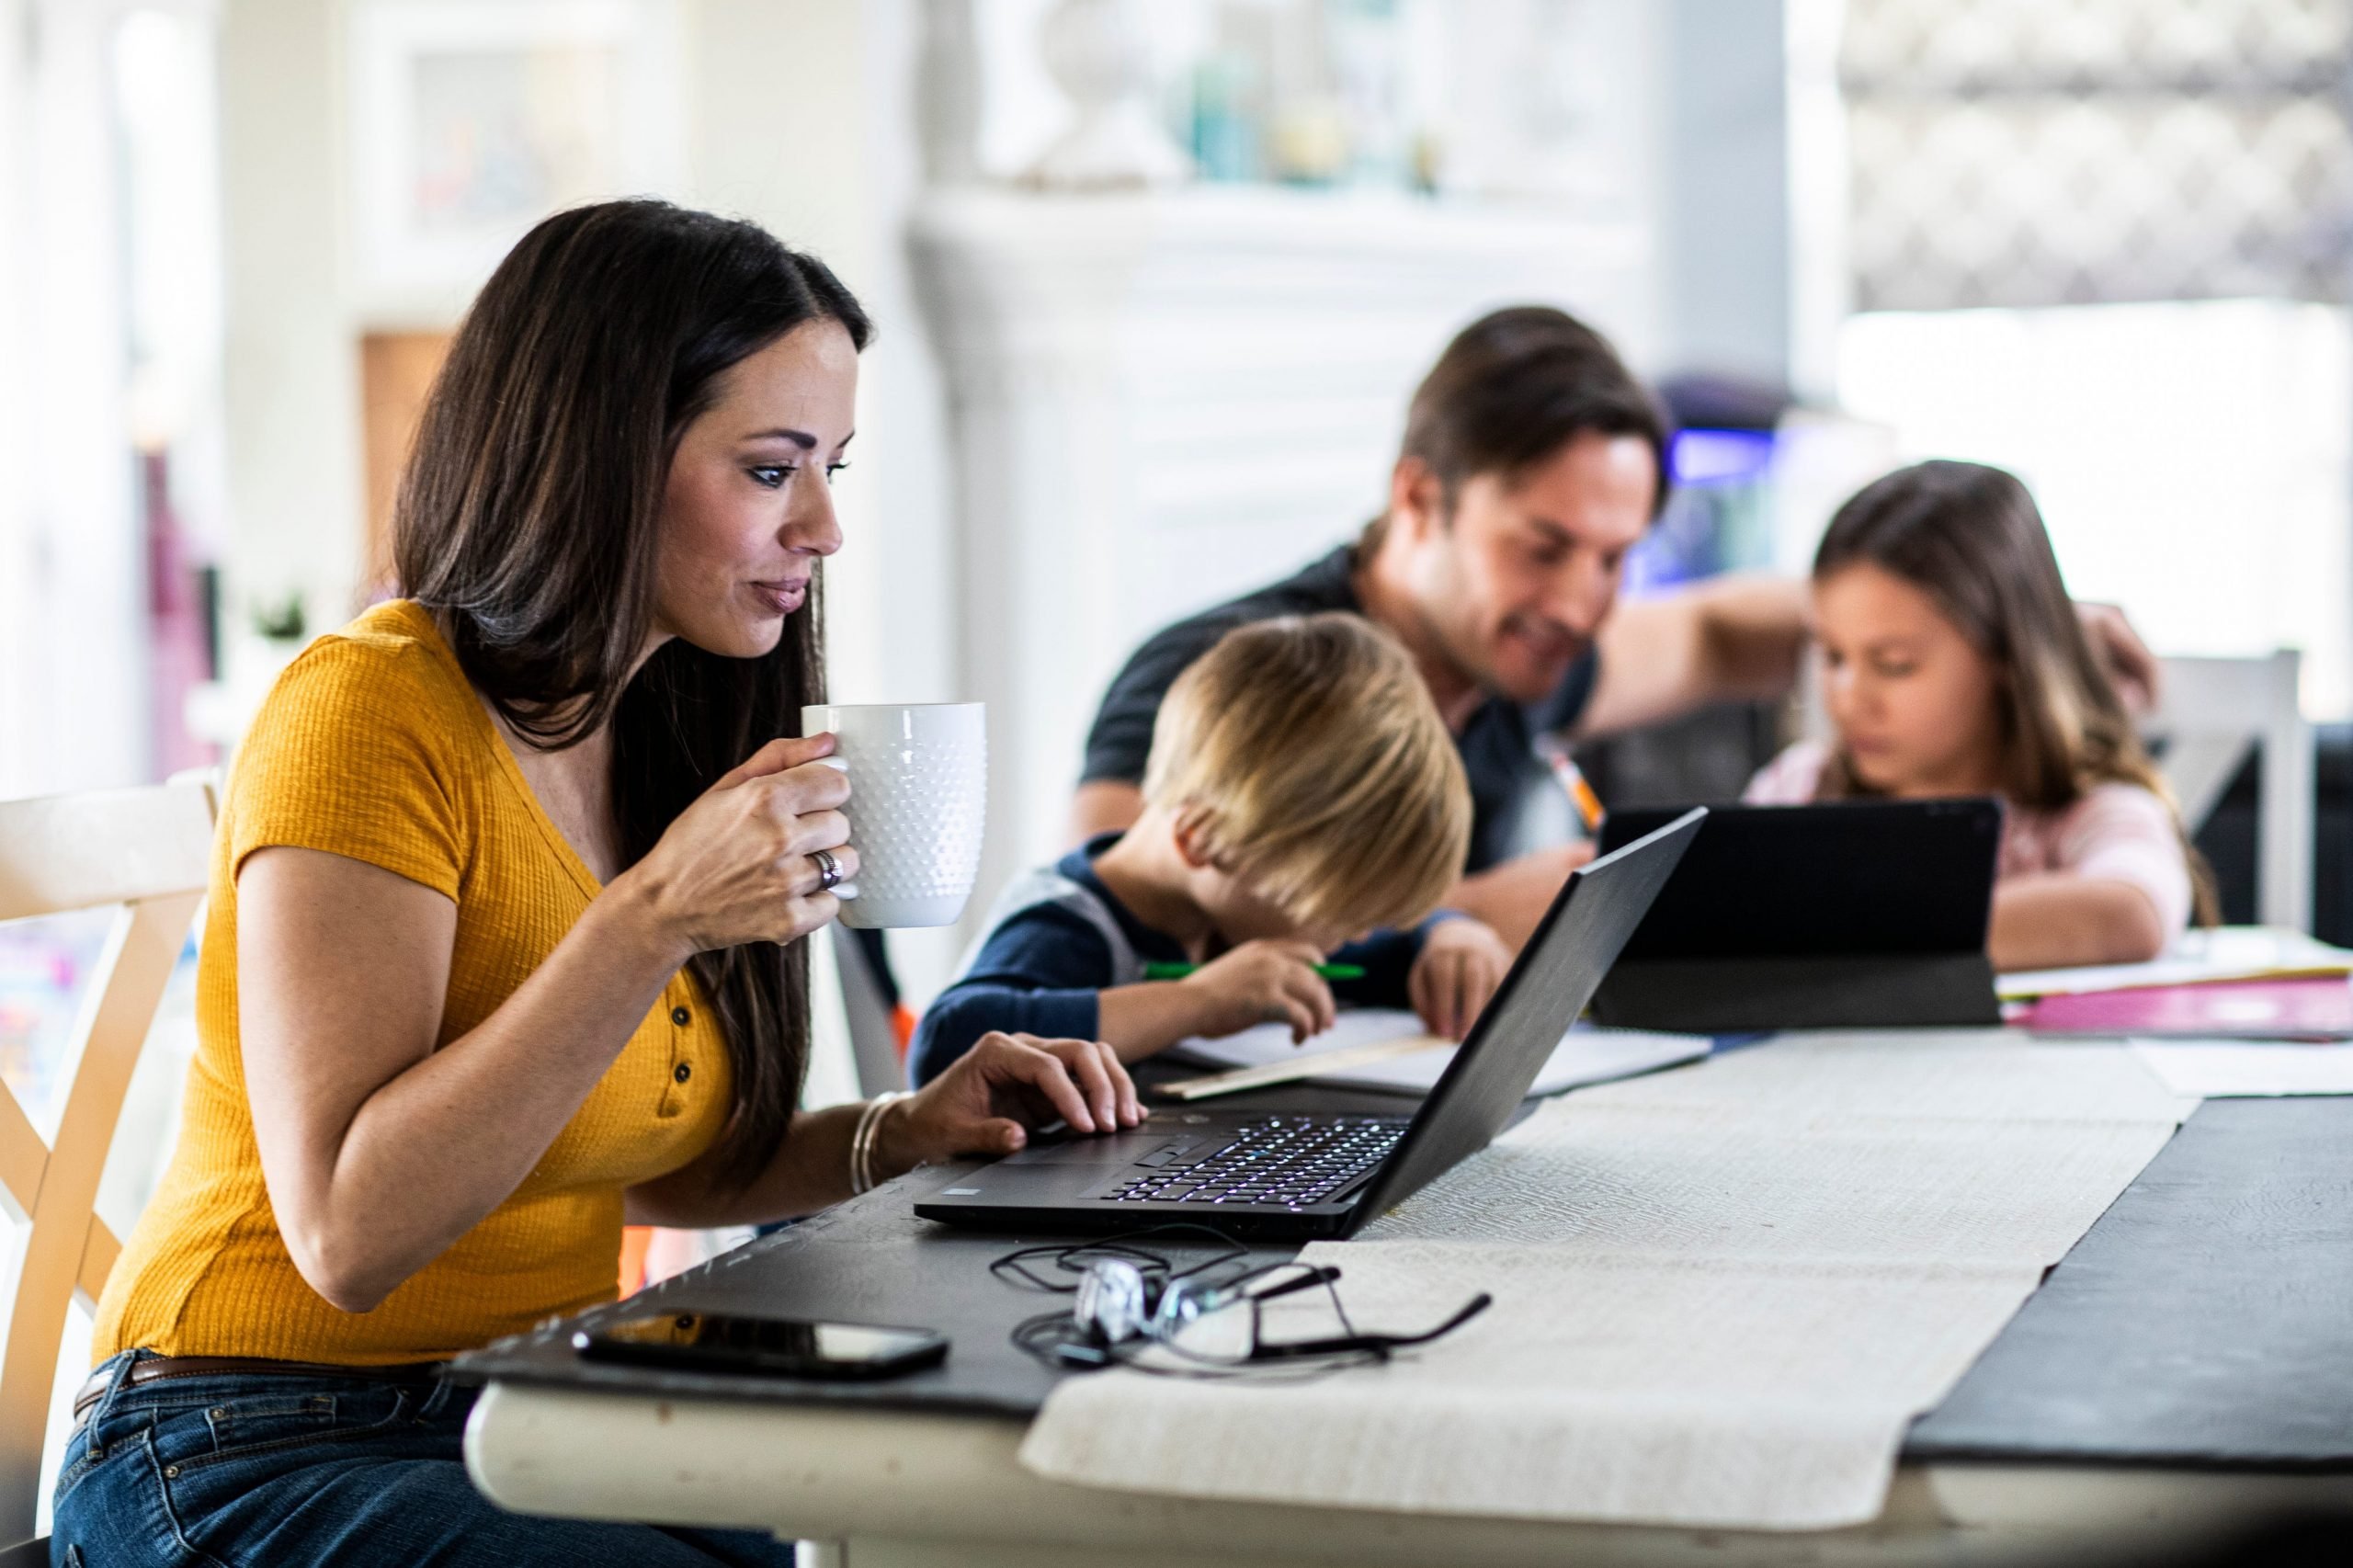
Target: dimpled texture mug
<point>918,796</point>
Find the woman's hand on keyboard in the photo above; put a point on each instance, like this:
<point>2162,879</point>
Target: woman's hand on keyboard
<point>988,1101</point>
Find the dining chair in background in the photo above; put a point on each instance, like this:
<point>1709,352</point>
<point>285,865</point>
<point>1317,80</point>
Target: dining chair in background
<point>2211,713</point>
<point>146,851</point>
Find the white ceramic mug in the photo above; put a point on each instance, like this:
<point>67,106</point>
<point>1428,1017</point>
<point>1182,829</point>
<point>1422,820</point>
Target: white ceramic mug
<point>918,796</point>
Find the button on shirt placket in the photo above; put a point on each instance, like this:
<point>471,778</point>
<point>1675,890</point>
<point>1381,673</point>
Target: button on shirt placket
<point>681,1070</point>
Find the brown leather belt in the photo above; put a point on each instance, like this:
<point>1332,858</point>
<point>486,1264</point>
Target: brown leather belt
<point>156,1369</point>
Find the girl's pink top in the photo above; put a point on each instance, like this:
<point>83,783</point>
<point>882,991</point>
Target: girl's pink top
<point>2119,833</point>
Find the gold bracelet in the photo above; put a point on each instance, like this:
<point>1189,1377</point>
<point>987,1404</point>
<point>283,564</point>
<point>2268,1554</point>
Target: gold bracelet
<point>861,1143</point>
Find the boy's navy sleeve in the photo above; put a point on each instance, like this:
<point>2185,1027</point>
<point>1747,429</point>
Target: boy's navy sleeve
<point>1040,972</point>
<point>1387,959</point>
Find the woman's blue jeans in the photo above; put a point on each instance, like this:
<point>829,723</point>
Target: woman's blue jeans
<point>242,1472</point>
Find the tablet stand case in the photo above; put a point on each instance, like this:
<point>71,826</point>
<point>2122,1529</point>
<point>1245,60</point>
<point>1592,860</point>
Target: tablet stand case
<point>1852,914</point>
<point>1746,996</point>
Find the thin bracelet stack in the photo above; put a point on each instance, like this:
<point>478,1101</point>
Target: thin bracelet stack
<point>861,1143</point>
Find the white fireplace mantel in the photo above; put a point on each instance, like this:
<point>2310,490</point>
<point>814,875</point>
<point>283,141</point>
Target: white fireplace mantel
<point>1161,400</point>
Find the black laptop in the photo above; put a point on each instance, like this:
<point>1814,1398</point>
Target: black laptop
<point>1256,1175</point>
<point>1849,913</point>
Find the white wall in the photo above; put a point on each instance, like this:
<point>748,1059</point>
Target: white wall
<point>290,358</point>
<point>1725,190</point>
<point>74,694</point>
<point>826,158</point>
<point>19,645</point>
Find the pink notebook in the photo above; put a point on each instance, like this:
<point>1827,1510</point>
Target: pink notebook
<point>2254,1009</point>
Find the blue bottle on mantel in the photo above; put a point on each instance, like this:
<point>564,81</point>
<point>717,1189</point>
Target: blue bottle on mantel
<point>1227,138</point>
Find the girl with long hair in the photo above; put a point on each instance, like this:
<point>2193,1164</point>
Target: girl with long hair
<point>1953,663</point>
<point>503,943</point>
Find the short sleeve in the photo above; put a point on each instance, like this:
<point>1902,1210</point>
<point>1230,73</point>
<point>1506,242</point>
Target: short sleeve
<point>2122,833</point>
<point>353,752</point>
<point>1793,778</point>
<point>1120,741</point>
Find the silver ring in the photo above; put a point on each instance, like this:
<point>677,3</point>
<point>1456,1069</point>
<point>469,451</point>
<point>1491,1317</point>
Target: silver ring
<point>829,871</point>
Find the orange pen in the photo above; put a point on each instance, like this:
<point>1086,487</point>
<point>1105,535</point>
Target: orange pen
<point>1580,793</point>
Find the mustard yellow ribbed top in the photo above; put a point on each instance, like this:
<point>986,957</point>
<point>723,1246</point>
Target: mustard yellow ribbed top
<point>373,744</point>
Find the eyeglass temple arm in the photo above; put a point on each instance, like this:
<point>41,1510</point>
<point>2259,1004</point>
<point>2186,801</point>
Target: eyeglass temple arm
<point>1307,1281</point>
<point>1377,1344</point>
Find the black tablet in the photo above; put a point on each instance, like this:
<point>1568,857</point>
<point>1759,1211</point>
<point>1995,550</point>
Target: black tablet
<point>1845,914</point>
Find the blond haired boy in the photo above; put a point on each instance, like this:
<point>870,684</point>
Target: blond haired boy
<point>1304,798</point>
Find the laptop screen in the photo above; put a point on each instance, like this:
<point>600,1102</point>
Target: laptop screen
<point>1555,978</point>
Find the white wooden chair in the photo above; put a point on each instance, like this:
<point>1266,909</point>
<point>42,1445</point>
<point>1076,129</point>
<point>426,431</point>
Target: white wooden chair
<point>148,851</point>
<point>2212,712</point>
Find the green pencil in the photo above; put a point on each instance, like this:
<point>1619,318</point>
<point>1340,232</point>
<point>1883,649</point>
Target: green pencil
<point>1160,971</point>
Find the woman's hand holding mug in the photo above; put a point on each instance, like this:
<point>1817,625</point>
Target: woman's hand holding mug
<point>738,866</point>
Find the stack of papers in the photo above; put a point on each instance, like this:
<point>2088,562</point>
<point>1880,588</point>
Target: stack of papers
<point>2234,1009</point>
<point>2196,957</point>
<point>2217,1017</point>
<point>1585,1055</point>
<point>2232,1069</point>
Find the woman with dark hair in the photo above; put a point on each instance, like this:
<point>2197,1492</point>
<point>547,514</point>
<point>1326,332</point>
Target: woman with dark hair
<point>503,936</point>
<point>1953,663</point>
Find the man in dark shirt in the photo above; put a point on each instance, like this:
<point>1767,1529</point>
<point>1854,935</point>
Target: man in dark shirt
<point>1532,461</point>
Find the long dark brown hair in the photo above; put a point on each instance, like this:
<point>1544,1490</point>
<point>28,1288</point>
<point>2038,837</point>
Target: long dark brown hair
<point>528,521</point>
<point>1969,538</point>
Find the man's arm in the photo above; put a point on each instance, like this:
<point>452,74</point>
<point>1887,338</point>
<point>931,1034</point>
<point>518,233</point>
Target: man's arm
<point>1512,897</point>
<point>1733,638</point>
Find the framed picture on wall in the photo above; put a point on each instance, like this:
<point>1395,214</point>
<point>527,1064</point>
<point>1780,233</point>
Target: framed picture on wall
<point>472,120</point>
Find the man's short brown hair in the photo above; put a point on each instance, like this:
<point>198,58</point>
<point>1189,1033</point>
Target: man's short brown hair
<point>1514,387</point>
<point>1312,764</point>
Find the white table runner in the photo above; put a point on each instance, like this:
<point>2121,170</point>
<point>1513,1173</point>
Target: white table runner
<point>1722,1293</point>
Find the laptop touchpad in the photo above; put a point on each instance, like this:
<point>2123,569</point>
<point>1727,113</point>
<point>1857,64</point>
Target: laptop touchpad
<point>1102,1149</point>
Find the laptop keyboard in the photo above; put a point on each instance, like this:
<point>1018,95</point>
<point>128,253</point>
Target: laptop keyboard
<point>1287,1160</point>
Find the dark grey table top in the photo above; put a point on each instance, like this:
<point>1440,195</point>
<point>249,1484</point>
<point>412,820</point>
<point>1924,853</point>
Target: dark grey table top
<point>2207,1319</point>
<point>871,1260</point>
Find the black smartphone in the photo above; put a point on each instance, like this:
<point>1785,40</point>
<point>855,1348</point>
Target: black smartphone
<point>779,1347</point>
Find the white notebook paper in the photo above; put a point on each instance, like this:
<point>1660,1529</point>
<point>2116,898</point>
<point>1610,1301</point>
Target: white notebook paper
<point>2239,1069</point>
<point>2195,957</point>
<point>1585,1055</point>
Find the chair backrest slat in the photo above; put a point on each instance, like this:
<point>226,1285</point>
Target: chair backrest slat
<point>146,850</point>
<point>2213,712</point>
<point>99,1249</point>
<point>69,852</point>
<point>23,1156</point>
